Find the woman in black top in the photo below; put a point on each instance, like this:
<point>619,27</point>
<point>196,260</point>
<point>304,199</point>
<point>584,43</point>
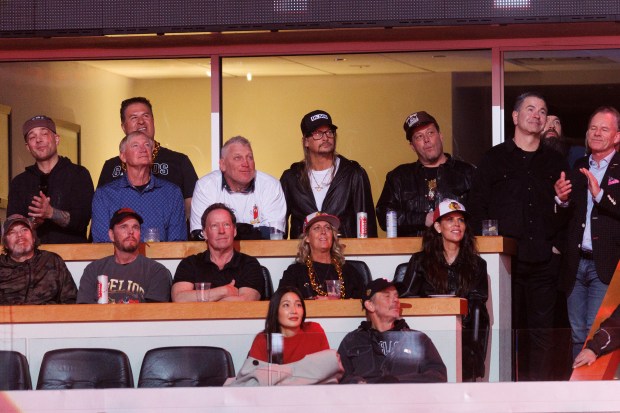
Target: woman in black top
<point>320,258</point>
<point>449,265</point>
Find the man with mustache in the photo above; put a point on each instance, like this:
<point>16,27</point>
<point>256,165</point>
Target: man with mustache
<point>514,185</point>
<point>132,277</point>
<point>413,190</point>
<point>325,181</point>
<point>384,349</point>
<point>553,137</point>
<point>27,274</point>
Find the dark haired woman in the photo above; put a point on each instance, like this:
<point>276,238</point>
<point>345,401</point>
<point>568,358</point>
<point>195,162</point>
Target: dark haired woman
<point>290,350</point>
<point>449,265</point>
<point>287,316</point>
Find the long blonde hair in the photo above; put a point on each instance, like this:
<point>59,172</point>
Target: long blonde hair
<point>304,253</point>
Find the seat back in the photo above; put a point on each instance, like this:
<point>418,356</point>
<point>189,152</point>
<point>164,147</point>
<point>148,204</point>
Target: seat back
<point>15,372</point>
<point>85,368</point>
<point>363,269</point>
<point>399,273</point>
<point>268,283</point>
<point>197,366</point>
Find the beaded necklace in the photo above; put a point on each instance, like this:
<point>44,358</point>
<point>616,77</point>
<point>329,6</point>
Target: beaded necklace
<point>318,288</point>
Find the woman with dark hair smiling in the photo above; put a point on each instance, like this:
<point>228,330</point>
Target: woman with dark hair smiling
<point>290,350</point>
<point>449,265</point>
<point>286,318</point>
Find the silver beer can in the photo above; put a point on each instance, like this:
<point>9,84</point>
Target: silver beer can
<point>390,223</point>
<point>102,289</point>
<point>362,225</point>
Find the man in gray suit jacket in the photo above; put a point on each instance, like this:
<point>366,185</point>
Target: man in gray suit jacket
<point>589,198</point>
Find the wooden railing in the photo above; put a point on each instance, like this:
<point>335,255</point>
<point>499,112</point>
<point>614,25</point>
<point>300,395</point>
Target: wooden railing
<point>285,248</point>
<point>210,311</point>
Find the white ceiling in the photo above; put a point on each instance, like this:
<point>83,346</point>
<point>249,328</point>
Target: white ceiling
<point>365,64</point>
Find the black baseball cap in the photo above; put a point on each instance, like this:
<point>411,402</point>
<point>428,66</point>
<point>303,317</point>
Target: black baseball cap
<point>123,213</point>
<point>314,120</point>
<point>374,287</point>
<point>417,119</point>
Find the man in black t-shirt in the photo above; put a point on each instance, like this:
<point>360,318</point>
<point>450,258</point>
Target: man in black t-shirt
<point>413,190</point>
<point>175,167</point>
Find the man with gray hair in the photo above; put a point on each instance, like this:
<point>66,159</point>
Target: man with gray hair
<point>157,201</point>
<point>255,197</point>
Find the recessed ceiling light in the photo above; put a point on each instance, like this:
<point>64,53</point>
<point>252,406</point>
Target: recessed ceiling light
<point>340,59</point>
<point>249,77</point>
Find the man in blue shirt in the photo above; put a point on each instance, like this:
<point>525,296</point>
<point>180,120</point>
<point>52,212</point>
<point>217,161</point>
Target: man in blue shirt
<point>159,202</point>
<point>589,197</point>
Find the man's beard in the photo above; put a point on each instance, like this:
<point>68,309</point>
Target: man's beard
<point>129,248</point>
<point>556,143</point>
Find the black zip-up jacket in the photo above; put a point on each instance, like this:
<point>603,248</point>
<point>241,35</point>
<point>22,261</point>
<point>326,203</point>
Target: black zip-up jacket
<point>70,189</point>
<point>607,337</point>
<point>348,194</point>
<point>405,192</point>
<point>399,355</point>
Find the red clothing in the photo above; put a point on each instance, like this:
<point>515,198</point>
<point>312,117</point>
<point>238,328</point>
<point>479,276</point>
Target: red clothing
<point>310,340</point>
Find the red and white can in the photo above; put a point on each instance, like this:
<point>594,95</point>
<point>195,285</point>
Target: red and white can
<point>102,289</point>
<point>362,225</point>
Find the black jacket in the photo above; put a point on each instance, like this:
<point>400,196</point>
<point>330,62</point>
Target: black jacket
<point>70,189</point>
<point>476,323</point>
<point>604,223</point>
<point>405,192</point>
<point>607,337</point>
<point>348,194</point>
<point>520,195</point>
<point>399,355</point>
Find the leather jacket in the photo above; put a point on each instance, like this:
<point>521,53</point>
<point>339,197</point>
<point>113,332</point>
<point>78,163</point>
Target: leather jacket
<point>405,192</point>
<point>348,194</point>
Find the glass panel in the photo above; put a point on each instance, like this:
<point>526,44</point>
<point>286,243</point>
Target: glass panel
<point>89,94</point>
<point>368,96</point>
<point>574,83</point>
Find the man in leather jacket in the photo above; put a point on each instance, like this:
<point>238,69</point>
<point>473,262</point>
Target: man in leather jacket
<point>414,189</point>
<point>325,181</point>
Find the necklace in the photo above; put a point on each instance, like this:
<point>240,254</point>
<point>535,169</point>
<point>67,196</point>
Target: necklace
<point>317,287</point>
<point>319,186</point>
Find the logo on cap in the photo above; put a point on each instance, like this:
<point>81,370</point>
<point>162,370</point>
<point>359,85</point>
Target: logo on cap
<point>412,119</point>
<point>318,116</point>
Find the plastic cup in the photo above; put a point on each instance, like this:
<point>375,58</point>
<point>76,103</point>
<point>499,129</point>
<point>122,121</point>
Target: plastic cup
<point>202,291</point>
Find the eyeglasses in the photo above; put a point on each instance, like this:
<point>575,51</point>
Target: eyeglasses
<point>317,135</point>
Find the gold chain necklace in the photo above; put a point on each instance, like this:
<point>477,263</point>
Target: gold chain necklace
<point>318,288</point>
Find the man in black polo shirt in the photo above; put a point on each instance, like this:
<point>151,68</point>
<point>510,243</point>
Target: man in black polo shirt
<point>234,276</point>
<point>514,184</point>
<point>175,167</point>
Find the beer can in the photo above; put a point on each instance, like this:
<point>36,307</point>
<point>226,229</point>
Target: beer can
<point>362,225</point>
<point>102,289</point>
<point>390,223</point>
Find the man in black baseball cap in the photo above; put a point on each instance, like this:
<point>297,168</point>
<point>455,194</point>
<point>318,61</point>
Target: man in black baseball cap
<point>54,193</point>
<point>413,190</point>
<point>132,277</point>
<point>29,275</point>
<point>384,349</point>
<point>306,183</point>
